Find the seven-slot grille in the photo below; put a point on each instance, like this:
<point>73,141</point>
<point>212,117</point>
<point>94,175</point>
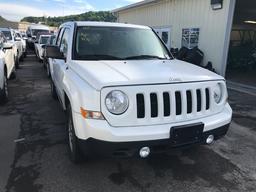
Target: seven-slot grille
<point>174,103</point>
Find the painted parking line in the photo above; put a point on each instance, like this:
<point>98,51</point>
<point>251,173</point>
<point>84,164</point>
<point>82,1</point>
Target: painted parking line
<point>19,140</point>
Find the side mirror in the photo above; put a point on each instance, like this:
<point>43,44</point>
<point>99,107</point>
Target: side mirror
<point>17,39</point>
<point>7,46</point>
<point>54,52</point>
<point>43,46</point>
<point>36,41</point>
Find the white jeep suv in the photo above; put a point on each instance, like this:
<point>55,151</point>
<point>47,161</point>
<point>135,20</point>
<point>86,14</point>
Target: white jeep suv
<point>125,94</point>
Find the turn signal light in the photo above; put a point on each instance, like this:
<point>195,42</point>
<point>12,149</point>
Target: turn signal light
<point>91,114</point>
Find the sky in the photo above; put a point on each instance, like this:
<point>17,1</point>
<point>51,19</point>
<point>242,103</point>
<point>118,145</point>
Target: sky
<point>15,10</point>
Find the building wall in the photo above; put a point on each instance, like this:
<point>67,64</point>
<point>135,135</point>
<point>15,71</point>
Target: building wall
<point>181,14</point>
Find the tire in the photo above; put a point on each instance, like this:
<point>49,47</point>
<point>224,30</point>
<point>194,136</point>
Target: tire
<point>25,54</point>
<point>73,147</point>
<point>48,70</point>
<point>13,75</point>
<point>4,92</point>
<point>44,63</point>
<point>53,91</point>
<point>17,62</point>
<point>22,57</point>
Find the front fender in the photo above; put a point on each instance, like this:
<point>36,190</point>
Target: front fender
<point>80,93</point>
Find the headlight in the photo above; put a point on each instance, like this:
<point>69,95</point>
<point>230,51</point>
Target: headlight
<point>117,102</point>
<point>217,93</point>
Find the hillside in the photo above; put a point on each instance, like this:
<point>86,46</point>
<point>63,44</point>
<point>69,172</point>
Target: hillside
<point>6,23</point>
<point>88,16</point>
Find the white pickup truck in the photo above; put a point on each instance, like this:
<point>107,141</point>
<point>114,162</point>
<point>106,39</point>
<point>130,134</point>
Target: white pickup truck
<point>7,67</point>
<point>125,94</point>
<point>40,44</point>
<point>16,42</point>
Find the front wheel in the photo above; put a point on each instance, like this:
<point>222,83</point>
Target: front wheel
<point>17,62</point>
<point>73,148</point>
<point>4,91</point>
<point>48,69</point>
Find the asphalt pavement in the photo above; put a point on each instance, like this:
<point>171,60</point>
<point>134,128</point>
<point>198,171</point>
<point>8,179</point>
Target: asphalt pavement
<point>33,151</point>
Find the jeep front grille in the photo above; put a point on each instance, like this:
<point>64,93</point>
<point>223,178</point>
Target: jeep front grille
<point>183,102</point>
<point>164,103</point>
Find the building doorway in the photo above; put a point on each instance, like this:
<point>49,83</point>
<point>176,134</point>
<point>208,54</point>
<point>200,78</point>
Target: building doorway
<point>241,64</point>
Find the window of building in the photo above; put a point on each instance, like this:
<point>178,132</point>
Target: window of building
<point>164,34</point>
<point>190,37</point>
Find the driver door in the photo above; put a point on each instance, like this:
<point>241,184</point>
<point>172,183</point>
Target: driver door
<point>60,65</point>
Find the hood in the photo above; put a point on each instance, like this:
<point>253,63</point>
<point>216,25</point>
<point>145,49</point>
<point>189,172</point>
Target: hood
<point>101,74</point>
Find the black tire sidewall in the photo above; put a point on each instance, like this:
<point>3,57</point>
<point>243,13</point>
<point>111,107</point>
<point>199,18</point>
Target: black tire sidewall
<point>48,69</point>
<point>75,154</point>
<point>17,62</point>
<point>3,96</point>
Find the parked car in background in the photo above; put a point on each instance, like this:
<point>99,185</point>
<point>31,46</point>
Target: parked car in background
<point>40,45</point>
<point>47,62</point>
<point>33,31</point>
<point>7,67</point>
<point>24,43</point>
<point>13,38</point>
<point>125,94</point>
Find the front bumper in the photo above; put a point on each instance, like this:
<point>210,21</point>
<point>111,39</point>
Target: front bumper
<point>125,149</point>
<point>101,130</point>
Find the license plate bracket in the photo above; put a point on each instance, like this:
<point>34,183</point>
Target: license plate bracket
<point>186,134</point>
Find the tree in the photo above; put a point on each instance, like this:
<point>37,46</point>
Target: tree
<point>88,16</point>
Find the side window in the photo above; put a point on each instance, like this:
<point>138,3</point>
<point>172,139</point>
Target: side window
<point>59,37</point>
<point>64,42</point>
<point>18,35</point>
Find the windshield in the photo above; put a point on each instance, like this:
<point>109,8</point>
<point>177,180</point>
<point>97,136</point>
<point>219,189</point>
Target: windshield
<point>43,40</point>
<point>36,31</point>
<point>113,43</point>
<point>7,34</point>
<point>52,40</point>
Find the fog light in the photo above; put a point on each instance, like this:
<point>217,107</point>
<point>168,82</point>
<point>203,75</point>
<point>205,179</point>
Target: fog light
<point>210,139</point>
<point>144,152</point>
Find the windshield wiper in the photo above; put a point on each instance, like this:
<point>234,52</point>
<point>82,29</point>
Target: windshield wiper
<point>144,57</point>
<point>99,57</point>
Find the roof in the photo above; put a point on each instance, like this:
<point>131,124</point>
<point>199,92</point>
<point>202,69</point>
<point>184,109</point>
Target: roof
<point>141,3</point>
<point>5,29</point>
<point>109,24</point>
<point>45,35</point>
<point>38,26</point>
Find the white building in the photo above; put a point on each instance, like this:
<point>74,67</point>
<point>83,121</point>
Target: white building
<point>203,23</point>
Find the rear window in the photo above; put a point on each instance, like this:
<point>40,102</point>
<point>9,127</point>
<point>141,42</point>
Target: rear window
<point>44,40</point>
<point>7,34</point>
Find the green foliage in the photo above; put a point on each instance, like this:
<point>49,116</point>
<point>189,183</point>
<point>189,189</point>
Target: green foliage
<point>88,16</point>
